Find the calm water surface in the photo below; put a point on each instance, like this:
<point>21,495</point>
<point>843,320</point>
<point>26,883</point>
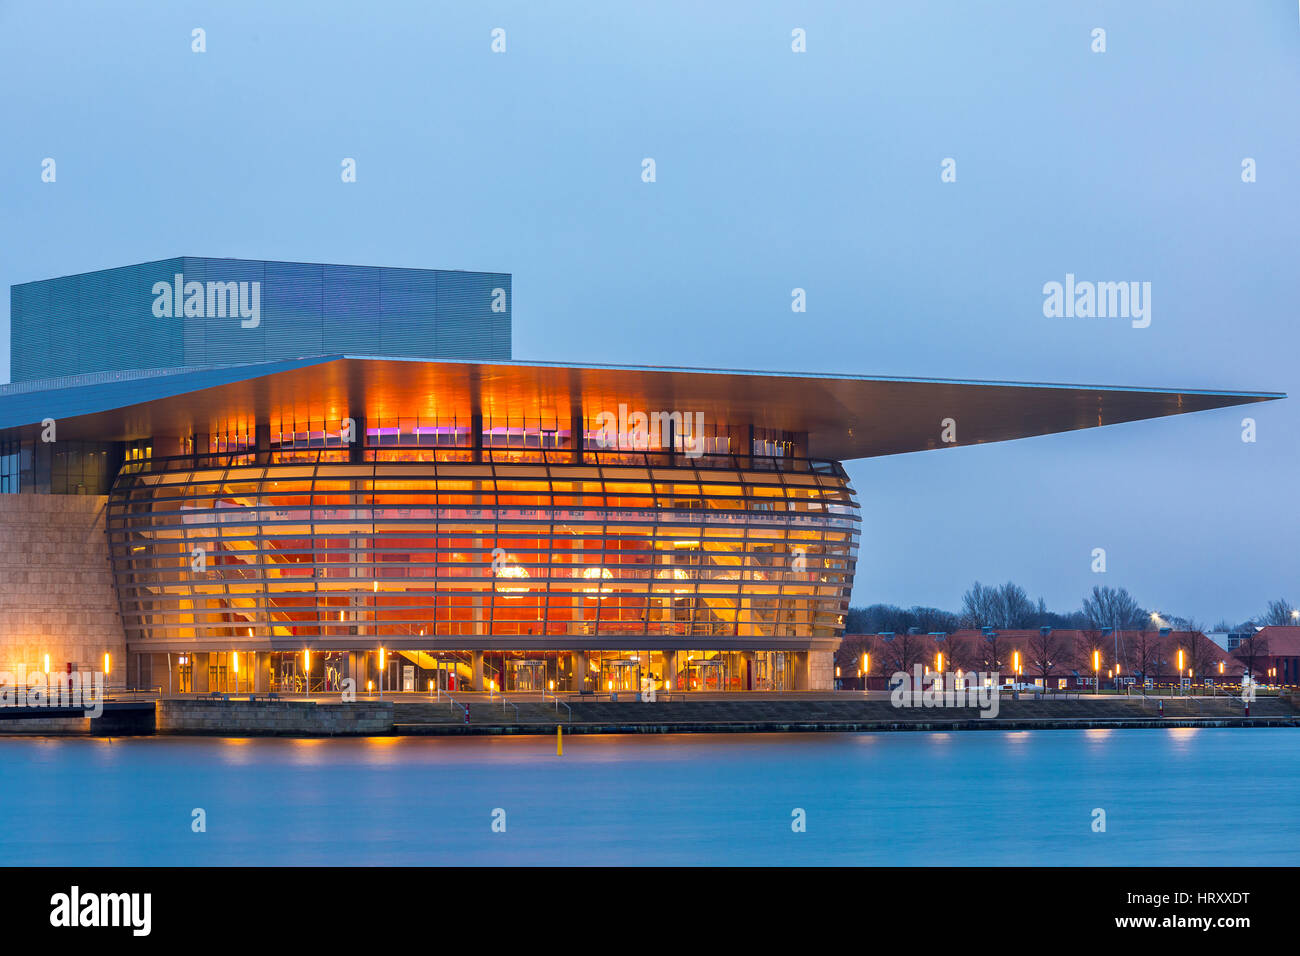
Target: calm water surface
<point>1203,796</point>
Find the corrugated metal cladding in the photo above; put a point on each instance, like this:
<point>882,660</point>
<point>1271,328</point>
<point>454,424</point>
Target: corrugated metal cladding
<point>105,320</point>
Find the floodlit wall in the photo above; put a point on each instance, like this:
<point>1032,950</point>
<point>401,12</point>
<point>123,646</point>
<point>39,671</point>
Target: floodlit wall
<point>56,586</point>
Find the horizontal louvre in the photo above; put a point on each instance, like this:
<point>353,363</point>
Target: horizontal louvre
<point>104,321</point>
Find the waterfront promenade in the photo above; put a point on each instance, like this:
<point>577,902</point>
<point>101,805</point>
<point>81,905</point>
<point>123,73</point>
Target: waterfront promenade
<point>483,714</point>
<point>814,712</point>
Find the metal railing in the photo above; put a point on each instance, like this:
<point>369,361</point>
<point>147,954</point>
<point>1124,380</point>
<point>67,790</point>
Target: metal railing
<point>485,454</point>
<point>98,378</point>
<point>558,702</point>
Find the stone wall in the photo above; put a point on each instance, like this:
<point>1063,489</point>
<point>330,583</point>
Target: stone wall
<point>39,726</point>
<point>56,586</point>
<point>821,670</point>
<point>286,717</point>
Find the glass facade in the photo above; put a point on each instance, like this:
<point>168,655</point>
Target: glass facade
<point>418,553</point>
<point>437,672</point>
<point>58,467</point>
<point>10,452</point>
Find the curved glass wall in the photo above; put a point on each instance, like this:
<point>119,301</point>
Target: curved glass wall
<point>356,554</point>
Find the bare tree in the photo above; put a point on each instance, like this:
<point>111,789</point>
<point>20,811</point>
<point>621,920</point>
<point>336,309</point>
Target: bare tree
<point>932,620</point>
<point>1251,648</point>
<point>1279,613</point>
<point>1090,641</point>
<point>1048,653</point>
<point>1014,609</point>
<point>987,653</point>
<point>1114,608</point>
<point>879,618</point>
<point>903,651</point>
<point>1006,606</point>
<point>849,656</point>
<point>1143,655</point>
<point>979,606</point>
<point>957,653</point>
<point>1200,650</point>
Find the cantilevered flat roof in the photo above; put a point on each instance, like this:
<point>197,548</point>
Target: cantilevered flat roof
<point>845,416</point>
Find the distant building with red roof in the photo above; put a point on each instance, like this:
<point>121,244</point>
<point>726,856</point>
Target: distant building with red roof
<point>1057,658</point>
<point>1276,654</point>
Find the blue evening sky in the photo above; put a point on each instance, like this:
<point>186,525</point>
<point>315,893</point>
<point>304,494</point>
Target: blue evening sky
<point>775,170</point>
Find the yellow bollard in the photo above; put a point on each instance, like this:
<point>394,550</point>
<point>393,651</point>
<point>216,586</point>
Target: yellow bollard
<point>559,741</point>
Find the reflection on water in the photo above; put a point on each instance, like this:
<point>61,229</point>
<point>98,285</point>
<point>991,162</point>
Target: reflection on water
<point>1171,797</point>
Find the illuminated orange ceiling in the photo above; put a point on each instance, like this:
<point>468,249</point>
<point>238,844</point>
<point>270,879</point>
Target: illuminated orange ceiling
<point>845,417</point>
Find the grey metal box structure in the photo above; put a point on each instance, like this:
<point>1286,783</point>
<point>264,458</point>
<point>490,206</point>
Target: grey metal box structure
<point>110,321</point>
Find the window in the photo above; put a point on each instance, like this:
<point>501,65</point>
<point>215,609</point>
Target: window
<point>80,468</point>
<point>9,484</point>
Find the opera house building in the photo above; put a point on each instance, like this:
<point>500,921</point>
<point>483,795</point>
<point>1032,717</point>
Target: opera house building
<point>232,475</point>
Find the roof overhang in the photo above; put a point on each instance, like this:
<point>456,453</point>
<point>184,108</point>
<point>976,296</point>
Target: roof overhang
<point>844,416</point>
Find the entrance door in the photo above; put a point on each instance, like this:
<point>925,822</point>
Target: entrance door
<point>707,674</point>
<point>217,671</point>
<point>285,679</point>
<point>779,670</point>
<point>770,670</point>
<point>447,676</point>
<point>528,675</point>
<point>623,674</point>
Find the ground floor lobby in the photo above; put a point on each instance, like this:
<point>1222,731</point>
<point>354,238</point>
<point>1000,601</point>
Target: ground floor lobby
<point>423,671</point>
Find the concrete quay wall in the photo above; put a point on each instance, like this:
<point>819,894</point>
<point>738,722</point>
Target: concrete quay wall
<point>274,718</point>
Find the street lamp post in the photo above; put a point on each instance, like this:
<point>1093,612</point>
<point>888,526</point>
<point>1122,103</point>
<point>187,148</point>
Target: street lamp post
<point>1164,632</point>
<point>1109,632</point>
